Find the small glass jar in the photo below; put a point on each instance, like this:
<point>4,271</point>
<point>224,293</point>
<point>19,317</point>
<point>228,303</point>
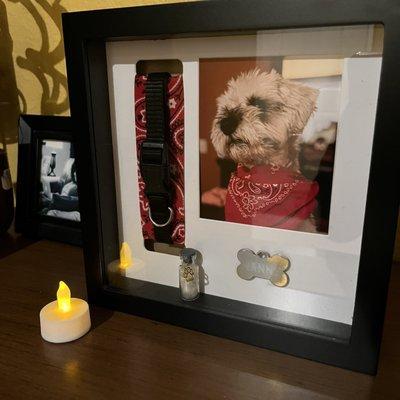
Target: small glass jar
<point>189,281</point>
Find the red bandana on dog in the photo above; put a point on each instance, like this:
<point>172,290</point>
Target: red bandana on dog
<point>270,196</point>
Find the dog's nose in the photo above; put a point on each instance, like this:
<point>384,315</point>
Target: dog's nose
<point>229,123</point>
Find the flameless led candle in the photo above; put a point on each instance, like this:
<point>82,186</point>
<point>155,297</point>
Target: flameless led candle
<point>126,261</point>
<point>125,256</point>
<point>64,319</point>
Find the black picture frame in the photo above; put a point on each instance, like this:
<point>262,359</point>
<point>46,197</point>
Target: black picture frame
<point>85,37</point>
<point>33,131</point>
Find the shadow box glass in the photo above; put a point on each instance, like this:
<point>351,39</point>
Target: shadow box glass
<point>263,137</point>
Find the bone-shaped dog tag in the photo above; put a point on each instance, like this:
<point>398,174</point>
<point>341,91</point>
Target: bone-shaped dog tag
<point>264,266</point>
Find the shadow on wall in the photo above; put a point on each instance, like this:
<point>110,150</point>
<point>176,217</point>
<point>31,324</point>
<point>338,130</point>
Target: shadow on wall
<point>9,104</point>
<point>41,63</point>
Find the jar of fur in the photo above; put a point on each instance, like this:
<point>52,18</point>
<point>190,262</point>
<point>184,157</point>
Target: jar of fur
<point>189,281</point>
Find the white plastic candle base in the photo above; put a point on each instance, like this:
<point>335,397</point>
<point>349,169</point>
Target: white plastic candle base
<point>57,326</point>
<point>137,270</point>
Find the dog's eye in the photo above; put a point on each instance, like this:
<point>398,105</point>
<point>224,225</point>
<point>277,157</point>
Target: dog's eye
<point>258,102</point>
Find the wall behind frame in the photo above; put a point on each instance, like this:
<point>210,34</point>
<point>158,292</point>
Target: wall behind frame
<point>32,63</point>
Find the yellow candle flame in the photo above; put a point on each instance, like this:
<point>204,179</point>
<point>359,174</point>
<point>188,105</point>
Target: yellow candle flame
<point>125,256</point>
<point>63,297</point>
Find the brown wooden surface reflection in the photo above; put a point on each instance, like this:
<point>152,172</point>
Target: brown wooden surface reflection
<point>130,357</point>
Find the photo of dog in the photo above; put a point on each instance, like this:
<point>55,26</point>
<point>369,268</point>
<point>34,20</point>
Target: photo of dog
<point>259,119</point>
<point>257,134</point>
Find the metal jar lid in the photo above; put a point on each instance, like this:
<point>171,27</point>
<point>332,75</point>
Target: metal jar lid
<point>188,255</point>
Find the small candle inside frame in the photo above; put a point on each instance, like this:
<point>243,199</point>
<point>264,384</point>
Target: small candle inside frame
<point>125,256</point>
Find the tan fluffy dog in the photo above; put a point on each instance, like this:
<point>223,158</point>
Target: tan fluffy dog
<point>260,117</point>
<point>259,120</point>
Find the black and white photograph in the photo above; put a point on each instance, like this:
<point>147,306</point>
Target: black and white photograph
<point>58,196</point>
<point>47,203</point>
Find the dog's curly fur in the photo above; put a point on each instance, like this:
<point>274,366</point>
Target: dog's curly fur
<point>270,113</point>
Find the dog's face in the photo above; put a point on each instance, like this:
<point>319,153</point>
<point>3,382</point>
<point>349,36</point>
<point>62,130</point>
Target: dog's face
<point>259,118</point>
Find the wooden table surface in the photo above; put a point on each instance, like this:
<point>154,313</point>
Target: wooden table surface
<point>125,357</point>
<point>11,241</point>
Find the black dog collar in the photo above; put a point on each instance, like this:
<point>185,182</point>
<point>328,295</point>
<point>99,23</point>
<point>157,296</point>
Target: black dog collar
<point>154,161</point>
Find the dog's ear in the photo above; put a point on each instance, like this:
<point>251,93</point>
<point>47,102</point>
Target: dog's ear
<point>218,140</point>
<point>300,101</point>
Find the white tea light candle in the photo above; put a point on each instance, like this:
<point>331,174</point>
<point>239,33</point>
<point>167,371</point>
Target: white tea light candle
<point>64,319</point>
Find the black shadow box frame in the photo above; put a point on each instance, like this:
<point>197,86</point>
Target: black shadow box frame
<point>85,36</point>
<point>33,129</point>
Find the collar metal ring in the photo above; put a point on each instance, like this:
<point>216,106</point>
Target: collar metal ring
<point>171,214</point>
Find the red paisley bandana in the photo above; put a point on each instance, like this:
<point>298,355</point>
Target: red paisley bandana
<point>176,154</point>
<point>270,196</point>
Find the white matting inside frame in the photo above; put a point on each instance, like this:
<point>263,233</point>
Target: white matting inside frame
<point>324,268</point>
